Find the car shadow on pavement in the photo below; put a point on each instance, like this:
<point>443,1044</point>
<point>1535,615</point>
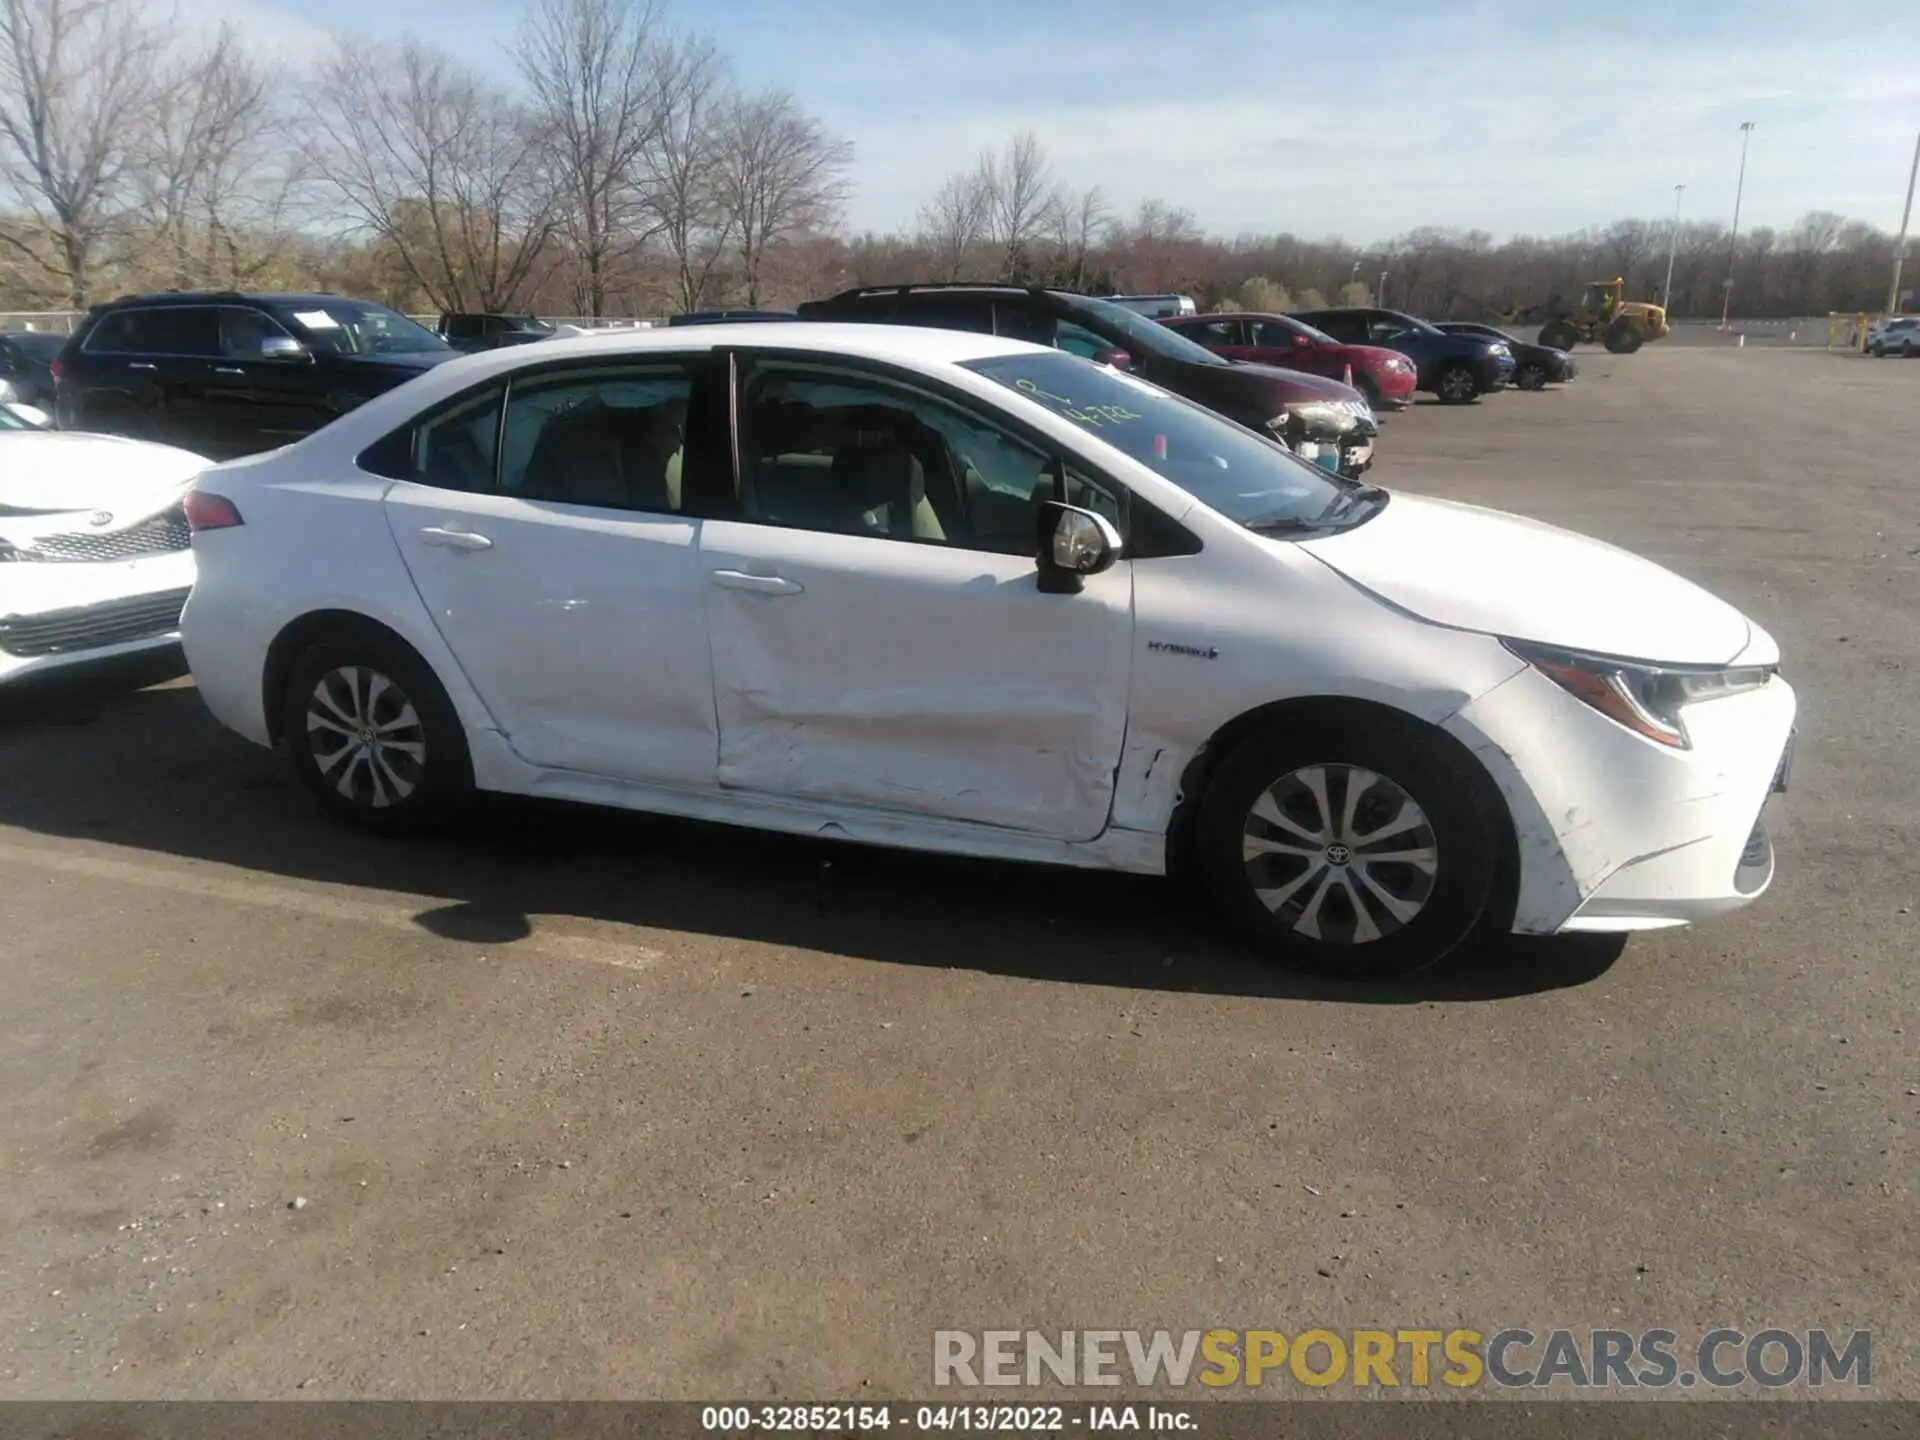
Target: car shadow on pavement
<point>152,771</point>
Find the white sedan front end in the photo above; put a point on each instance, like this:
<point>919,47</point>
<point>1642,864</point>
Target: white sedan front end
<point>96,557</point>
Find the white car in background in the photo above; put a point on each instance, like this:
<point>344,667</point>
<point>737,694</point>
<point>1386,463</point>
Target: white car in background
<point>1894,335</point>
<point>96,556</point>
<point>954,592</point>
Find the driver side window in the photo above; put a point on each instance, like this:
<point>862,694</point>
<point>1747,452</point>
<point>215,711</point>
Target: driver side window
<point>1381,331</point>
<point>243,333</point>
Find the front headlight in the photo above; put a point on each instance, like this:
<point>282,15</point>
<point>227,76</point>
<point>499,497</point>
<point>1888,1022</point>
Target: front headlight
<point>1498,349</point>
<point>1647,699</point>
<point>1325,419</point>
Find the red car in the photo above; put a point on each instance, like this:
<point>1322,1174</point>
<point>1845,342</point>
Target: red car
<point>1385,377</point>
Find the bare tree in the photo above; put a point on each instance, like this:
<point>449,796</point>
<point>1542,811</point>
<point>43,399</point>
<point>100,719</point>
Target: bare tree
<point>217,167</point>
<point>1157,243</point>
<point>76,90</point>
<point>1078,224</point>
<point>780,173</point>
<point>1021,195</point>
<point>680,189</point>
<point>432,162</point>
<point>598,85</point>
<point>956,222</point>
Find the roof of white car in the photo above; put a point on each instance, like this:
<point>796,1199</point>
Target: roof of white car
<point>877,342</point>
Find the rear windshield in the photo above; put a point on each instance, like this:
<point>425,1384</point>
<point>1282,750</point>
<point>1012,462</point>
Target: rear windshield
<point>1232,470</point>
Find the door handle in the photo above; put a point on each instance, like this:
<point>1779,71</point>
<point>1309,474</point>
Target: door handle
<point>140,365</point>
<point>758,584</point>
<point>454,539</point>
<point>228,370</point>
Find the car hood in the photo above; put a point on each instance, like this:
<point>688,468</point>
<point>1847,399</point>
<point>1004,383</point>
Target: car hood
<point>1471,568</point>
<point>1299,385</point>
<point>58,473</point>
<point>408,363</point>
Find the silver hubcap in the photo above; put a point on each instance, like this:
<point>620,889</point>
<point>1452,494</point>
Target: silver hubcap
<point>1457,383</point>
<point>365,736</point>
<point>1340,853</point>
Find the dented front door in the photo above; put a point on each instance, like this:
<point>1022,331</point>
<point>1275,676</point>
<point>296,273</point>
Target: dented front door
<point>915,678</point>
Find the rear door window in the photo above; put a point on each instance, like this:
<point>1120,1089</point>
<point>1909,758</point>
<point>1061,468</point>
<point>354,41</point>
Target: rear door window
<point>612,438</point>
<point>164,330</point>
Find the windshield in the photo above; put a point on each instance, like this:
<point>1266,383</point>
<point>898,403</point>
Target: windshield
<point>355,327</point>
<point>1300,327</point>
<point>1144,336</point>
<point>1254,481</point>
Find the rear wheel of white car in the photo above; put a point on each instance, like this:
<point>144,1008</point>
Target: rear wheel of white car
<point>373,735</point>
<point>1359,850</point>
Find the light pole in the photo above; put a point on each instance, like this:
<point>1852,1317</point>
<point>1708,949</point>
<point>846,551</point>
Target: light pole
<point>1673,243</point>
<point>1733,248</point>
<point>1383,290</point>
<point>1900,245</point>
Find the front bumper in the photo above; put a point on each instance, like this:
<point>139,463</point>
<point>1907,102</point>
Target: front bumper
<point>65,616</point>
<point>1617,833</point>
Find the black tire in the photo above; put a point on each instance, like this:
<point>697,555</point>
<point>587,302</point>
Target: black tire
<point>1623,337</point>
<point>1407,762</point>
<point>1456,384</point>
<point>1530,376</point>
<point>1369,391</point>
<point>1559,335</point>
<point>422,776</point>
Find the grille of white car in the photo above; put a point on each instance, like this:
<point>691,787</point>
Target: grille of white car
<point>92,627</point>
<point>163,534</point>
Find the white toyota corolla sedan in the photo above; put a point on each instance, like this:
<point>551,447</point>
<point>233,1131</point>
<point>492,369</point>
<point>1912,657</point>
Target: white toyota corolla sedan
<point>95,555</point>
<point>945,591</point>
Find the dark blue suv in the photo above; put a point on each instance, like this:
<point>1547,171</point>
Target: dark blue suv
<point>1457,368</point>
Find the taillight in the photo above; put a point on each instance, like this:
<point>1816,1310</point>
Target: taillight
<point>208,511</point>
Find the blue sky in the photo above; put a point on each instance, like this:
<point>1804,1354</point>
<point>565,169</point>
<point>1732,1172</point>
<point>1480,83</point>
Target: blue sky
<point>1319,118</point>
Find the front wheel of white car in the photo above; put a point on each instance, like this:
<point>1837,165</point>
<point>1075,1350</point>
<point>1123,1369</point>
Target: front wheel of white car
<point>1361,850</point>
<point>373,735</point>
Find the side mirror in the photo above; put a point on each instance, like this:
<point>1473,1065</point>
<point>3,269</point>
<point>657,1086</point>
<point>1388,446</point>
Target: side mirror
<point>283,347</point>
<point>1073,544</point>
<point>1118,359</point>
<point>1301,342</point>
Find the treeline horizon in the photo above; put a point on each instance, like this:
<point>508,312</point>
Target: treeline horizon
<point>626,175</point>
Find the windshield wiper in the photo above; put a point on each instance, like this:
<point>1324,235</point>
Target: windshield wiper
<point>1343,504</point>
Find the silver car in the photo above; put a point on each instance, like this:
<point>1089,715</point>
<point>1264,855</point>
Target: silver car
<point>1894,335</point>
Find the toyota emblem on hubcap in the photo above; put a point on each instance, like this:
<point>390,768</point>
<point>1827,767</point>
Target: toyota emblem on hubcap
<point>1338,854</point>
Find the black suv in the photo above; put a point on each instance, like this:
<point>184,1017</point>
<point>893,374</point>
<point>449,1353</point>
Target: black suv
<point>228,374</point>
<point>1307,412</point>
<point>491,332</point>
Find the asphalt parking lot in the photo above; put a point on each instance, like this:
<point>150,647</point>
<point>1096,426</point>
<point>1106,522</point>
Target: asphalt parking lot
<point>594,1106</point>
